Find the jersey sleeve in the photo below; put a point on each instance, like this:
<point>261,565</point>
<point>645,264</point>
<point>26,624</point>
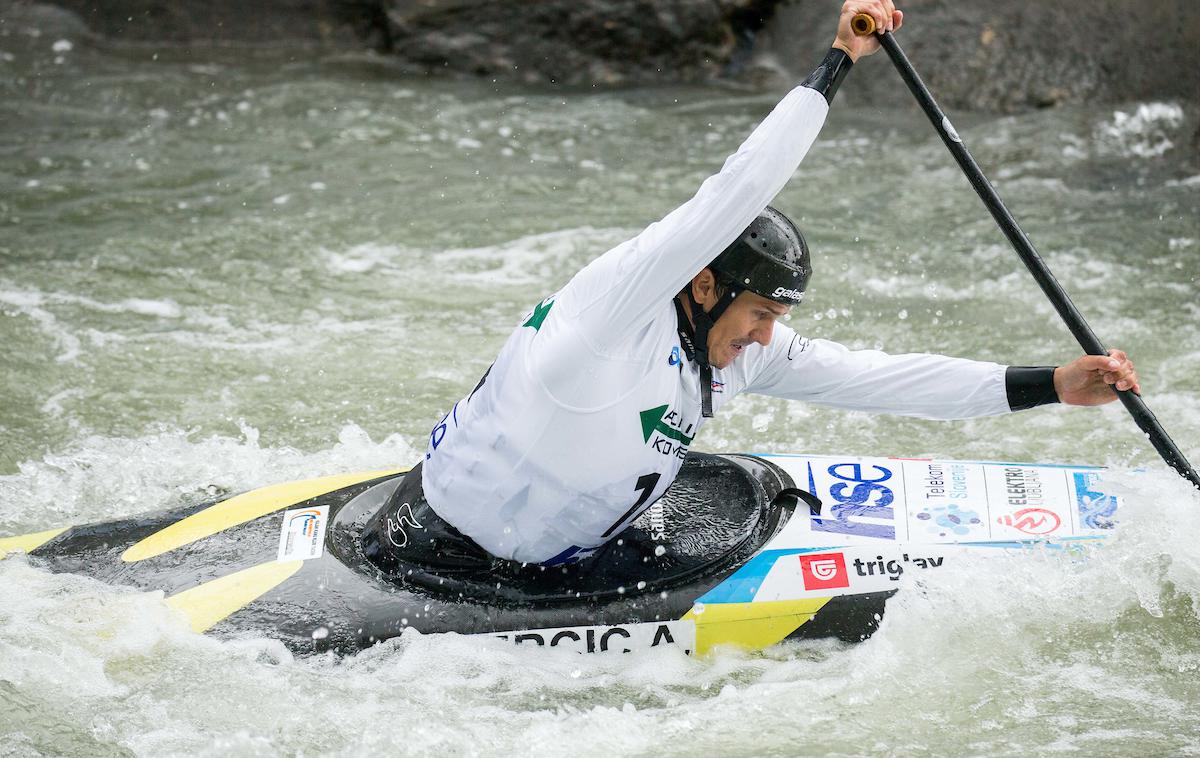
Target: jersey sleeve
<point>912,384</point>
<point>618,292</point>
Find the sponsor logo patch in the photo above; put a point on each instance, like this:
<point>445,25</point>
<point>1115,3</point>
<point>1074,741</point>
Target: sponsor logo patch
<point>894,569</point>
<point>949,520</point>
<point>1096,509</point>
<point>857,492</point>
<point>1035,521</point>
<point>538,316</point>
<point>661,430</point>
<point>303,534</point>
<point>792,294</point>
<point>824,571</point>
<point>673,358</point>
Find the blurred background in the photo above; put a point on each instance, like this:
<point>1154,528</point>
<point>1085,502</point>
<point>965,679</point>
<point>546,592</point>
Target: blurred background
<point>999,55</point>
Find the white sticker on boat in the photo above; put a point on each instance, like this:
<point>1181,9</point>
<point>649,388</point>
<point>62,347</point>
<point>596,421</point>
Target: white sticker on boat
<point>946,501</point>
<point>303,533</point>
<point>621,638</point>
<point>921,501</point>
<point>1033,502</point>
<point>850,571</point>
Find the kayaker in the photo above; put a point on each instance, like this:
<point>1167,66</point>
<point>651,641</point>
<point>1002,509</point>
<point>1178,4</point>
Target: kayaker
<point>585,417</point>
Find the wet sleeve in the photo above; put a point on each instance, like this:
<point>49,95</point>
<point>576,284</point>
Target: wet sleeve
<point>1030,386</point>
<point>913,384</point>
<point>618,292</point>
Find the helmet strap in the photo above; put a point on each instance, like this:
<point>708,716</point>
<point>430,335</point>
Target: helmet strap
<point>698,339</point>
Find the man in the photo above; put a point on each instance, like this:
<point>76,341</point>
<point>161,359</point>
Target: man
<point>586,415</point>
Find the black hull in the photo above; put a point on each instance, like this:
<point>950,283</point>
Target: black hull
<point>340,601</point>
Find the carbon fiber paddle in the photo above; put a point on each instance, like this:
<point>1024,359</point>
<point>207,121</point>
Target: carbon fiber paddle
<point>864,24</point>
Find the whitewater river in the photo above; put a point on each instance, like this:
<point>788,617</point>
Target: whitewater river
<point>226,271</point>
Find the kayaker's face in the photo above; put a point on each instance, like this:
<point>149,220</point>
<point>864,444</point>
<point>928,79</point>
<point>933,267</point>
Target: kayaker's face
<point>749,318</point>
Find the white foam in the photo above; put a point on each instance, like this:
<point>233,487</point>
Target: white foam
<point>29,304</point>
<point>160,308</point>
<point>36,306</point>
<point>105,477</point>
<point>548,259</point>
<point>164,308</point>
<point>54,404</point>
<point>545,259</point>
<point>1144,132</point>
<point>361,258</point>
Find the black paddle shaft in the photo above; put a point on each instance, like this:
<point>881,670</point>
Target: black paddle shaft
<point>1041,272</point>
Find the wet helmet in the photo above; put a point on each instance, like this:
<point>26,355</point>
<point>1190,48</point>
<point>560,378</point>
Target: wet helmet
<point>769,258</point>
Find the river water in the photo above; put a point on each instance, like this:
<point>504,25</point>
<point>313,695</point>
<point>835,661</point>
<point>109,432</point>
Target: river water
<point>228,270</point>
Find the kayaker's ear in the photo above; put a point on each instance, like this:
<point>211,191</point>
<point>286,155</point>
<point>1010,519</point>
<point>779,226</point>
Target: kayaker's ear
<point>704,288</point>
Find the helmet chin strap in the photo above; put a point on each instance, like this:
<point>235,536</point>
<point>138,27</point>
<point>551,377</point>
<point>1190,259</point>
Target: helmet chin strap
<point>695,344</point>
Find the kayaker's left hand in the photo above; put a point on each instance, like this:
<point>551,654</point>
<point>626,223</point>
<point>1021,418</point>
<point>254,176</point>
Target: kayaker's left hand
<point>1089,380</point>
<point>886,18</point>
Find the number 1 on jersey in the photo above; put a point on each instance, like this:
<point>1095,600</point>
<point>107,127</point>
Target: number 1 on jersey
<point>645,484</point>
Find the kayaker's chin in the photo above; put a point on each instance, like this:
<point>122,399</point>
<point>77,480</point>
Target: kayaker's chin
<point>724,357</point>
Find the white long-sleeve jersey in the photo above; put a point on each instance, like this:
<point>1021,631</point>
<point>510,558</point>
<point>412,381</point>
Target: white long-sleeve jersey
<point>585,418</point>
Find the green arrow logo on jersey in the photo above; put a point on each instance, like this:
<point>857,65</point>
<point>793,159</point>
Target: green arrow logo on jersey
<point>652,421</point>
<point>540,311</point>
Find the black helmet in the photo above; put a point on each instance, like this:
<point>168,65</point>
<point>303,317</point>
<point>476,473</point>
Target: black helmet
<point>770,258</point>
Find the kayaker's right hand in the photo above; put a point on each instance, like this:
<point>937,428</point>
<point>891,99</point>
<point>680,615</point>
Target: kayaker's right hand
<point>1090,380</point>
<point>887,18</point>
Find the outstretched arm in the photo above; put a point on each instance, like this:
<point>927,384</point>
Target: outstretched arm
<point>617,292</point>
<point>928,386</point>
<point>912,384</point>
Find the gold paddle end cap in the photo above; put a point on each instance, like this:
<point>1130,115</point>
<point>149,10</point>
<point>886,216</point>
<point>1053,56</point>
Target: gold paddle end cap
<point>863,24</point>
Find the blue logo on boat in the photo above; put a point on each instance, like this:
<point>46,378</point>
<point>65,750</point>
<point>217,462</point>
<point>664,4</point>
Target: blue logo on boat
<point>858,492</point>
<point>673,360</point>
<point>946,520</point>
<point>1096,509</point>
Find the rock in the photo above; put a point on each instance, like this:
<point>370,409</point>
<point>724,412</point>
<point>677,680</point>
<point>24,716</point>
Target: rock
<point>329,23</point>
<point>574,42</point>
<point>1013,55</point>
<point>36,19</point>
<point>997,55</point>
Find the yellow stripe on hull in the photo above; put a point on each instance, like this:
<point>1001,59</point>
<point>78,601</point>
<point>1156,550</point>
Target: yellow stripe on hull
<point>211,602</point>
<point>27,543</point>
<point>751,625</point>
<point>240,509</point>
